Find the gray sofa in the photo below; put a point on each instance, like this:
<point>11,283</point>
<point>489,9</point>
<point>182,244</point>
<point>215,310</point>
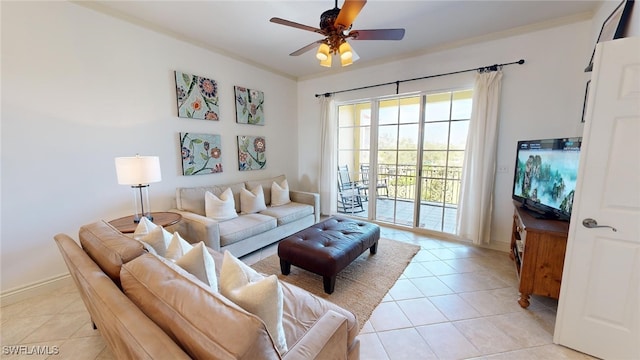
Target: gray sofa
<point>247,232</point>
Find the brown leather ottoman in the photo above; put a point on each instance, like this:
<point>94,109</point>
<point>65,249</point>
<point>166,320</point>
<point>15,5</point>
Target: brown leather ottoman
<point>328,247</point>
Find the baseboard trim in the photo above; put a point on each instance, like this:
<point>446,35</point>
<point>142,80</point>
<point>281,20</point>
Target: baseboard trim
<point>498,245</point>
<point>42,287</point>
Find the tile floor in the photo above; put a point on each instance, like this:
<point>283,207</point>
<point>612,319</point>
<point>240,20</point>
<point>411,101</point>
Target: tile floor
<point>453,301</point>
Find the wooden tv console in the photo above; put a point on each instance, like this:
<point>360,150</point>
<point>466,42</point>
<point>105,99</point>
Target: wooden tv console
<point>537,248</point>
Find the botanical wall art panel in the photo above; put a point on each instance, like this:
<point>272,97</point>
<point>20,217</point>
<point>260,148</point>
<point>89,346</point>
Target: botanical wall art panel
<point>251,153</point>
<point>201,153</point>
<point>197,97</point>
<point>249,106</point>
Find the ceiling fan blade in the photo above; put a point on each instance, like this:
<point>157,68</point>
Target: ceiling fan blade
<point>305,48</point>
<point>296,25</point>
<point>378,34</point>
<point>349,12</point>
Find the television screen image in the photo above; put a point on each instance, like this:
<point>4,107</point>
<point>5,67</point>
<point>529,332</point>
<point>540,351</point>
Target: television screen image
<point>545,176</point>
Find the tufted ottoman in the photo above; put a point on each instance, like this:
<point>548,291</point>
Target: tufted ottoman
<point>328,247</point>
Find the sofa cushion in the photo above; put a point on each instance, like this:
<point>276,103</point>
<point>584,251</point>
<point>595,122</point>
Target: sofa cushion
<point>192,198</point>
<point>242,227</point>
<point>176,301</point>
<point>220,208</point>
<point>144,227</point>
<point>266,186</point>
<point>259,295</point>
<point>159,239</point>
<point>177,247</point>
<point>108,247</point>
<point>199,262</point>
<point>301,310</point>
<point>288,213</point>
<point>280,193</point>
<point>252,201</point>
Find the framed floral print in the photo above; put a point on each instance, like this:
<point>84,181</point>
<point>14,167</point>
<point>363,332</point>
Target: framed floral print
<point>201,153</point>
<point>251,153</point>
<point>249,106</point>
<point>197,97</point>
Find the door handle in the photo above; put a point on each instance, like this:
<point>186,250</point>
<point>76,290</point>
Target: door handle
<point>592,224</point>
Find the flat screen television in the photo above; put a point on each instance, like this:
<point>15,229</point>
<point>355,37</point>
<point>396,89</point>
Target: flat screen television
<point>545,176</point>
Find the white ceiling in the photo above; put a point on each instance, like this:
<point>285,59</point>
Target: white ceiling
<point>241,29</point>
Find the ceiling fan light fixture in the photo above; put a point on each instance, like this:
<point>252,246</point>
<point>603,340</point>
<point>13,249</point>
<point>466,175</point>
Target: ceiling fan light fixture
<point>324,52</point>
<point>345,51</point>
<point>326,62</point>
<point>346,61</point>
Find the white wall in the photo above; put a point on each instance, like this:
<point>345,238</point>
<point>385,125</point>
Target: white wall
<point>540,99</point>
<point>80,88</point>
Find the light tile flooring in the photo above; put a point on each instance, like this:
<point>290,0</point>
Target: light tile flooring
<point>453,301</point>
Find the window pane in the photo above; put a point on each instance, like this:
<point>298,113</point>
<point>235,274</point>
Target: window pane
<point>410,110</point>
<point>387,137</point>
<point>456,158</point>
<point>363,112</point>
<point>438,107</point>
<point>459,130</point>
<point>436,135</point>
<point>434,158</point>
<point>432,190</point>
<point>408,137</point>
<point>461,106</point>
<point>363,140</point>
<point>346,116</point>
<point>388,112</point>
<point>452,195</point>
<point>345,138</point>
<point>408,158</point>
<point>346,158</point>
<point>388,160</point>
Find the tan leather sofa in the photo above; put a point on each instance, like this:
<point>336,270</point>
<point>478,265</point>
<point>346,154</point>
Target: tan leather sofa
<point>148,308</point>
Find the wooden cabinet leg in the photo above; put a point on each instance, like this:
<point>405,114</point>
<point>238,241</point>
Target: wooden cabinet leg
<point>524,300</point>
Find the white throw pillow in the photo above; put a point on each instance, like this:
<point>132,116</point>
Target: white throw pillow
<point>158,239</point>
<point>222,208</point>
<point>199,262</point>
<point>259,295</point>
<point>177,247</point>
<point>144,226</point>
<point>280,193</point>
<point>252,201</point>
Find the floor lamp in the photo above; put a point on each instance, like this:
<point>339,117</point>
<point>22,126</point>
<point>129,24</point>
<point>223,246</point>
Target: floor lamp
<point>139,171</point>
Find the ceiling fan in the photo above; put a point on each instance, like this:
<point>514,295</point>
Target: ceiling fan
<point>335,25</point>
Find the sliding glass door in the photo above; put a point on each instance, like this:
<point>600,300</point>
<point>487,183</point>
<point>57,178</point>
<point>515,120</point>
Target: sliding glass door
<point>418,142</point>
<point>397,159</point>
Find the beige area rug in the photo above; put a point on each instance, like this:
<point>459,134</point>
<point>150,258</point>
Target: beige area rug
<point>360,286</point>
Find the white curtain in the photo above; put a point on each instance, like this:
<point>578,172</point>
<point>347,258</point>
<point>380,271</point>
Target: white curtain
<point>478,172</point>
<point>328,168</point>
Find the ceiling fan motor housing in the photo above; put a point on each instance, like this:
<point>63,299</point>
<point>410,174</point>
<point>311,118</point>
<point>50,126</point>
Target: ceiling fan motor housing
<point>328,19</point>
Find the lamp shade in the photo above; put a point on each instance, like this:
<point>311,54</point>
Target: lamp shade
<point>326,62</point>
<point>345,51</point>
<point>323,52</point>
<point>138,170</point>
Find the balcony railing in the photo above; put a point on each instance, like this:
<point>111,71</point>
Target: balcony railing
<point>440,184</point>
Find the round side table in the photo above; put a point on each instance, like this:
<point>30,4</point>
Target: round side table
<point>126,225</point>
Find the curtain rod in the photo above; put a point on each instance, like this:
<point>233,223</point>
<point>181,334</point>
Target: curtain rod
<point>397,83</point>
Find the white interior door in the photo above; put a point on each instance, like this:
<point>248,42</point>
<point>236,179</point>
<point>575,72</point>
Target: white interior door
<point>599,307</point>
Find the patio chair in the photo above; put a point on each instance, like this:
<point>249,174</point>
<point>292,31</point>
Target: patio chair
<point>381,184</point>
<point>349,196</point>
